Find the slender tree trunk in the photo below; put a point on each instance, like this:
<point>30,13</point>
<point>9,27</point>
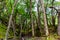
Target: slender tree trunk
<point>10,20</point>
<point>39,23</point>
<point>52,12</point>
<point>31,18</point>
<point>14,30</point>
<point>20,35</point>
<point>46,11</point>
<point>58,29</point>
<point>45,20</point>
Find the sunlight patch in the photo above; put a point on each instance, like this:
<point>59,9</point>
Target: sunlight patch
<point>57,0</point>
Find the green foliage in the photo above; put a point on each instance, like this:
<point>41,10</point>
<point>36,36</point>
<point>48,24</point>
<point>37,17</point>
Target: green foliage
<point>2,30</point>
<point>23,9</point>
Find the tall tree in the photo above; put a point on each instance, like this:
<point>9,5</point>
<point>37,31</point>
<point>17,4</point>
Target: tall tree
<point>20,35</point>
<point>14,30</point>
<point>31,18</point>
<point>38,11</point>
<point>58,29</point>
<point>52,12</point>
<point>10,20</point>
<point>45,20</point>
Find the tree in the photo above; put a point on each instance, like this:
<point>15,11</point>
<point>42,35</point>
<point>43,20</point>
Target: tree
<point>58,29</point>
<point>39,21</point>
<point>52,12</point>
<point>10,20</point>
<point>45,20</point>
<point>31,18</point>
<point>20,35</point>
<point>14,30</point>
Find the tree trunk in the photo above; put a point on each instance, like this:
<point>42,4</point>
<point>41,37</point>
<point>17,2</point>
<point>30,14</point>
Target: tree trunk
<point>45,20</point>
<point>52,12</point>
<point>58,29</point>
<point>39,23</point>
<point>31,18</point>
<point>14,30</point>
<point>20,35</point>
<point>10,20</point>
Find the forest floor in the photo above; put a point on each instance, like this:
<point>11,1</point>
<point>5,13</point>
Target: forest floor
<point>51,37</point>
<point>43,38</point>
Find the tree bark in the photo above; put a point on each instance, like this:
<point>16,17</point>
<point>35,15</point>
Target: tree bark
<point>31,18</point>
<point>58,29</point>
<point>10,20</point>
<point>14,30</point>
<point>52,12</point>
<point>39,23</point>
<point>45,20</point>
<point>20,35</point>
